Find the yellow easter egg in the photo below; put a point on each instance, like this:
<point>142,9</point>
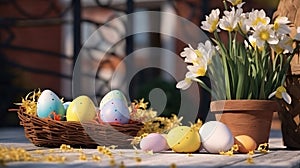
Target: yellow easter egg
<point>245,143</point>
<point>81,109</point>
<point>183,139</point>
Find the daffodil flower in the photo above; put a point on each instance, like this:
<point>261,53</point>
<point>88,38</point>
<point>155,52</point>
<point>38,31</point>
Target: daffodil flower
<point>252,41</point>
<point>281,25</point>
<point>206,50</point>
<point>230,20</point>
<point>212,21</point>
<point>264,33</point>
<point>191,55</point>
<point>285,45</point>
<point>242,24</point>
<point>281,93</point>
<point>187,51</point>
<point>197,70</point>
<point>257,18</point>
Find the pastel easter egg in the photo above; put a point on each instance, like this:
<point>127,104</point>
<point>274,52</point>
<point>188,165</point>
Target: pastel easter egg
<point>49,104</point>
<point>81,109</point>
<point>216,137</point>
<point>245,143</point>
<point>115,111</point>
<point>114,94</point>
<point>183,139</point>
<point>155,142</point>
<point>66,105</point>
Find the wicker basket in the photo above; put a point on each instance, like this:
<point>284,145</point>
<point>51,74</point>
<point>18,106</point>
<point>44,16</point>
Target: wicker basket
<point>51,133</point>
<point>289,114</point>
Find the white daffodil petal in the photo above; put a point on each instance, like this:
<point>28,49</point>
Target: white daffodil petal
<point>212,21</point>
<point>184,84</point>
<point>272,95</point>
<point>286,97</point>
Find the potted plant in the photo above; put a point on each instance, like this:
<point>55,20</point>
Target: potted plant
<point>245,69</point>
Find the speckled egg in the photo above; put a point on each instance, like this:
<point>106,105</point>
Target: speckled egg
<point>216,137</point>
<point>245,143</point>
<point>183,139</point>
<point>114,94</point>
<point>154,142</point>
<point>115,110</point>
<point>81,109</point>
<point>49,103</point>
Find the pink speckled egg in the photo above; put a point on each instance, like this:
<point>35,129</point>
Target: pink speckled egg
<point>155,142</point>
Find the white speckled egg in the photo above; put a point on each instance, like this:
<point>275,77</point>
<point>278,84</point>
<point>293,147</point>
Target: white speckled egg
<point>155,142</point>
<point>216,137</point>
<point>48,103</point>
<point>114,94</point>
<point>115,110</point>
<point>81,109</point>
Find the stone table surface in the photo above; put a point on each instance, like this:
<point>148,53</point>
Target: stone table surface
<point>277,156</point>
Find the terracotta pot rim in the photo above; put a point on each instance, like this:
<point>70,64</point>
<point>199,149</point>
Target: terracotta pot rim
<point>244,105</point>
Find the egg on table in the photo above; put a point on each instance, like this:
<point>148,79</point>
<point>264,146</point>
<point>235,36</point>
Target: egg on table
<point>154,142</point>
<point>49,105</point>
<point>116,111</point>
<point>245,143</point>
<point>81,109</point>
<point>216,137</point>
<point>183,139</point>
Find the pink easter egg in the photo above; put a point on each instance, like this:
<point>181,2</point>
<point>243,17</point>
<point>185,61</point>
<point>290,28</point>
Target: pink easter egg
<point>155,142</point>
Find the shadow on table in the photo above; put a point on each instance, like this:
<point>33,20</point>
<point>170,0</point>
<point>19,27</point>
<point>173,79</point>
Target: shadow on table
<point>12,135</point>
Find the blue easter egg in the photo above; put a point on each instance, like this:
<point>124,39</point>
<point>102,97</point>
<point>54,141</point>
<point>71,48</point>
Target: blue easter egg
<point>49,103</point>
<point>115,110</point>
<point>66,105</point>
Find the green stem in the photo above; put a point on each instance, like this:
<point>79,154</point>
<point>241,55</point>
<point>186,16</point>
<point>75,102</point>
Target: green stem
<point>226,73</point>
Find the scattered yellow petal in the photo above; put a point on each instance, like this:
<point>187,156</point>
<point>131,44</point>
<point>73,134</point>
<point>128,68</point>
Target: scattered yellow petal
<point>96,158</point>
<point>82,156</point>
<point>197,125</point>
<point>233,149</point>
<point>39,152</point>
<point>251,153</point>
<point>122,165</point>
<point>173,165</point>
<point>51,150</point>
<point>263,148</point>
<point>150,152</point>
<point>250,160</point>
<point>113,147</point>
<point>138,159</point>
<point>190,155</point>
<point>112,162</point>
<point>65,148</point>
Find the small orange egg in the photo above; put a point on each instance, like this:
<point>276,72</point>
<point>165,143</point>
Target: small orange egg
<point>245,143</point>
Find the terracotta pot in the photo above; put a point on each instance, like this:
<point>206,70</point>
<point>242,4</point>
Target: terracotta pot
<point>246,117</point>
